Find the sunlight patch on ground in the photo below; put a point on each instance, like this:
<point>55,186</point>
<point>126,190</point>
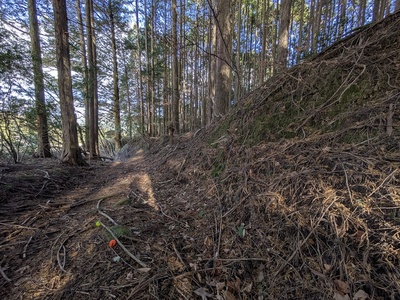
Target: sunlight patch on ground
<point>145,185</point>
<point>49,279</point>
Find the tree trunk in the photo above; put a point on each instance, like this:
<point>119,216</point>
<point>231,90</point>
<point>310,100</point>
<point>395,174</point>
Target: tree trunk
<point>283,36</point>
<point>152,72</point>
<point>212,69</point>
<point>92,81</point>
<point>70,152</point>
<point>300,48</point>
<point>42,128</point>
<point>116,108</point>
<point>238,77</point>
<point>361,13</point>
<point>376,10</point>
<point>223,80</point>
<point>82,47</point>
<point>175,69</point>
<point>342,22</point>
<point>139,75</point>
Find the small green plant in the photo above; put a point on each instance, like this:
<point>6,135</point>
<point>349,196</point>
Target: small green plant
<point>241,230</point>
<point>120,230</point>
<point>217,170</point>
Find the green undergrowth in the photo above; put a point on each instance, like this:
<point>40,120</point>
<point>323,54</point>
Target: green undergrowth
<point>328,98</point>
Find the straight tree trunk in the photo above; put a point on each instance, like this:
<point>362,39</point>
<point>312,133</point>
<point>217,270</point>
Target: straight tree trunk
<point>310,28</point>
<point>238,83</point>
<point>300,47</point>
<point>361,13</point>
<point>70,151</point>
<point>181,69</point>
<point>342,22</point>
<point>95,88</point>
<point>82,47</point>
<point>283,35</point>
<point>212,70</point>
<point>376,10</point>
<point>41,116</point>
<point>92,81</point>
<point>175,69</point>
<point>196,112</point>
<point>195,117</point>
<point>116,106</point>
<point>223,80</point>
<point>152,72</point>
<point>139,51</point>
<point>128,99</point>
<point>148,74</point>
<point>204,90</point>
<point>275,39</point>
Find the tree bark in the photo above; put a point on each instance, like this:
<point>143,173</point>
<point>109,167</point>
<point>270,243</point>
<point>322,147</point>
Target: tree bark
<point>116,106</point>
<point>300,48</point>
<point>175,69</point>
<point>42,128</point>
<point>283,36</point>
<point>376,10</point>
<point>70,151</point>
<point>85,93</point>
<point>92,81</point>
<point>223,79</point>
<point>238,73</point>
<point>212,69</point>
<point>139,75</point>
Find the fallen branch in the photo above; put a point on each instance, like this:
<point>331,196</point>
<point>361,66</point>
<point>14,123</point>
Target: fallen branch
<point>61,265</point>
<point>4,275</point>
<point>26,247</point>
<point>104,214</point>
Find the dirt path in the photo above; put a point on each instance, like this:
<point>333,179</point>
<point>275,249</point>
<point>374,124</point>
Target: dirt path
<point>51,247</point>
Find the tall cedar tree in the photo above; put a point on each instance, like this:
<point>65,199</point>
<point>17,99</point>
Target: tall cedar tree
<point>283,35</point>
<point>42,128</point>
<point>70,152</point>
<point>85,92</point>
<point>223,79</point>
<point>175,69</point>
<point>116,108</point>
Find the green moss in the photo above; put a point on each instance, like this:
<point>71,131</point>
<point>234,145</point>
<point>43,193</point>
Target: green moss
<point>219,164</point>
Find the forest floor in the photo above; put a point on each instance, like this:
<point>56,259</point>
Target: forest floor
<point>182,238</point>
<point>295,194</point>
